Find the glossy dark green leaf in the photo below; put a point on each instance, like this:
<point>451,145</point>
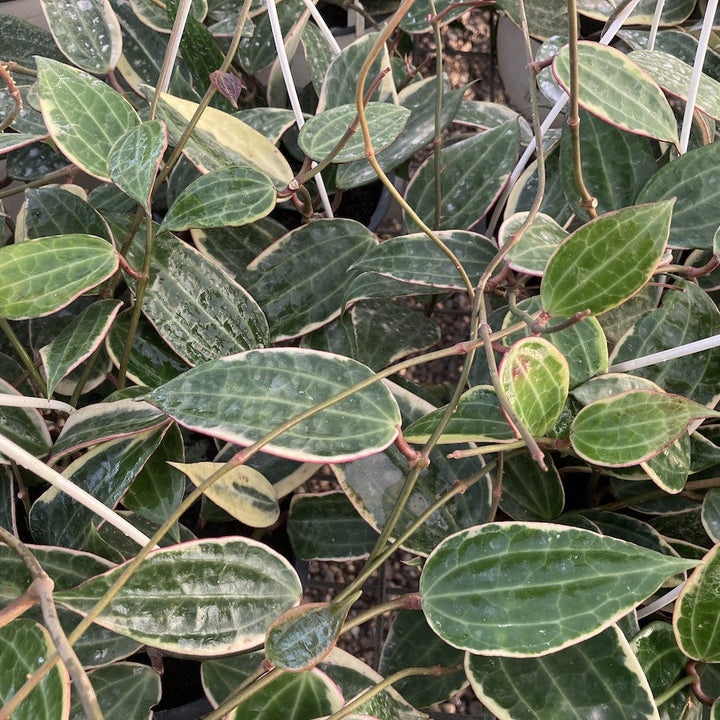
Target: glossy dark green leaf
<point>61,211</point>
<point>474,171</point>
<point>12,141</point>
<point>271,122</point>
<point>299,281</point>
<point>632,427</point>
<point>323,132</point>
<point>601,678</point>
<point>639,108</point>
<point>242,492</point>
<point>625,527</point>
<point>234,248</point>
<point>47,274</point>
<point>105,472</point>
<point>695,614</point>
<point>692,179</point>
<point>33,162</point>
<point>674,77</point>
<point>659,656</point>
<point>124,690</point>
<point>242,398</point>
<point>24,646</point>
<point>418,260</point>
<point>134,159</point>
<point>529,492</point>
<point>326,526</point>
<point>159,487</point>
<point>411,643</point>
<point>537,244</point>
<point>353,676</point>
<point>197,309</point>
<point>258,51</point>
<point>221,140</point>
<point>21,41</point>
<point>477,418</point>
<point>85,116</point>
<point>106,421</point>
<point>615,164</point>
<point>386,331</point>
<point>521,589</point>
<point>606,261</point>
<point>583,344</point>
<point>295,696</point>
<point>210,597</point>
<point>342,75</point>
<point>669,469</point>
<point>152,361</point>
<point>535,376</point>
<point>303,636</point>
<point>88,33</point>
<point>543,19</point>
<point>78,341</point>
<point>372,484</point>
<point>419,130</point>
<point>230,196</point>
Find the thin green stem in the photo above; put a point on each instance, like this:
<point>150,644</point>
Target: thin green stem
<point>437,149</point>
<point>674,689</point>
<point>244,692</point>
<point>142,283</point>
<point>587,202</point>
<point>44,180</point>
<point>25,359</point>
<point>387,682</point>
<point>85,376</point>
<point>399,603</point>
<point>405,5</point>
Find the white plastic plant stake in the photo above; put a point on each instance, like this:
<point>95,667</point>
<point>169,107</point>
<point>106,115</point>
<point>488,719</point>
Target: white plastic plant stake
<point>671,354</point>
<point>292,92</point>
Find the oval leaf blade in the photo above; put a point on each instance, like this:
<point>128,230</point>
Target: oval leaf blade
<point>24,645</point>
<point>322,132</point>
<point>87,32</point>
<point>243,492</point>
<point>604,73</point>
<point>524,590</point>
<point>695,616</point>
<point>210,597</point>
<point>602,679</point>
<point>244,397</point>
<point>606,261</point>
<point>41,276</point>
<point>632,427</point>
<point>230,196</point>
<point>303,636</point>
<point>85,116</point>
<point>535,377</point>
<point>134,160</point>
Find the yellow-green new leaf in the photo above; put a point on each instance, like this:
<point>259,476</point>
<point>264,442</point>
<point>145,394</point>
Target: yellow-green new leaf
<point>535,377</point>
<point>242,491</point>
<point>41,276</point>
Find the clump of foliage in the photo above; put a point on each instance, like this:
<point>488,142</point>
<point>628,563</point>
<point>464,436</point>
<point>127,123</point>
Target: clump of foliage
<point>176,359</point>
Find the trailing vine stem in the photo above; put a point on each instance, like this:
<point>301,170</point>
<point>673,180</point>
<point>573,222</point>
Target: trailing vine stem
<point>437,149</point>
<point>587,201</point>
<point>479,312</point>
<point>41,590</point>
<point>25,359</point>
<point>196,494</point>
<point>405,5</point>
<point>261,678</point>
